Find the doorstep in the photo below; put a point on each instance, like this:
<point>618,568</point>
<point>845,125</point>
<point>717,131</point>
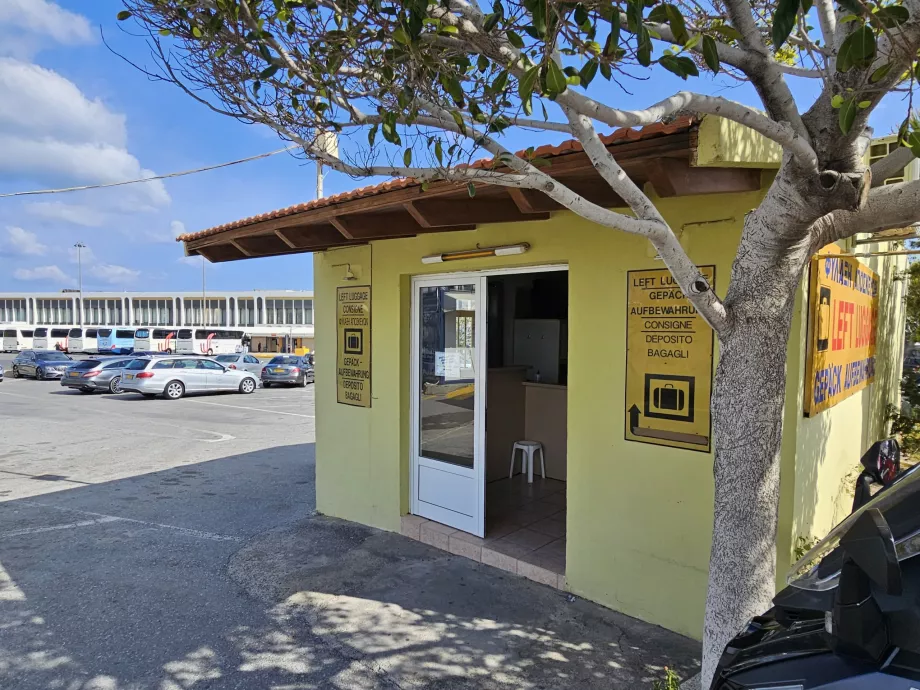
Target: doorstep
<point>464,544</point>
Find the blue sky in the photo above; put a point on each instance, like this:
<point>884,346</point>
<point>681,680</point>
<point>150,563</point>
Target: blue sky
<point>72,113</point>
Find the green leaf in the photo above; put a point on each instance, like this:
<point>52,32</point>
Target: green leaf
<point>854,6</point>
<point>439,152</point>
<point>196,32</point>
<point>400,35</point>
<point>448,29</point>
<point>880,73</point>
<point>482,63</point>
<point>711,54</point>
<point>847,115</point>
<point>491,22</point>
<point>633,15</point>
<point>555,80</point>
<point>836,101</point>
<point>912,140</point>
<point>471,189</point>
<point>783,21</point>
<point>164,32</point>
<point>681,66</point>
<point>729,32</point>
<point>606,72</point>
<point>613,39</point>
<point>458,118</point>
<point>268,72</point>
<point>677,24</point>
<point>644,47</point>
<point>372,135</point>
<point>221,51</point>
<point>862,105</point>
<point>526,86</point>
<point>892,16</point>
<point>581,14</point>
<point>124,14</point>
<point>407,157</point>
<point>806,6</point>
<point>588,72</point>
<point>514,38</point>
<point>857,50</point>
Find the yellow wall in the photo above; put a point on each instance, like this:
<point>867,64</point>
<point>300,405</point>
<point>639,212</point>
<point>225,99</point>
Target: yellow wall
<point>639,515</point>
<point>830,444</point>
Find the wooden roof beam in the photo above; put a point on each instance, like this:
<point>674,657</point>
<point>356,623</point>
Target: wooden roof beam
<point>241,248</point>
<point>284,238</point>
<point>442,213</point>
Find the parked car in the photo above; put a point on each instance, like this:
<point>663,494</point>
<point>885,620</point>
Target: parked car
<point>291,369</point>
<point>1,373</point>
<point>175,375</point>
<point>242,361</point>
<point>93,375</point>
<point>42,364</point>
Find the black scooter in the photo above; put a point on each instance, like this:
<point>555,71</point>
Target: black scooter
<point>849,618</point>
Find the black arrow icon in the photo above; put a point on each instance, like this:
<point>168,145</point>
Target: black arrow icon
<point>634,417</point>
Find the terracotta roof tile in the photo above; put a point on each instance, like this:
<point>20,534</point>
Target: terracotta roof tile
<point>624,134</point>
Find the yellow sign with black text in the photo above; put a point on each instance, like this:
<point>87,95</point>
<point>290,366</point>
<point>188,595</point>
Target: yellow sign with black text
<point>843,306</point>
<point>353,351</point>
<point>668,363</point>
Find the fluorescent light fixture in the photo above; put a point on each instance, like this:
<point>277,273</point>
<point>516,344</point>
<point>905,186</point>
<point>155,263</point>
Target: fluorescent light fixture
<point>477,253</point>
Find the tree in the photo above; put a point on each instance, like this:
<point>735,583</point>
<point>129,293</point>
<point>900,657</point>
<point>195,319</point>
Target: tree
<point>433,86</point>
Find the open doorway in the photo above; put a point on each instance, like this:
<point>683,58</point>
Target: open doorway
<point>490,368</point>
<point>526,401</point>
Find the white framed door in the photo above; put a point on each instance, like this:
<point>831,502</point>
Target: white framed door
<point>448,400</point>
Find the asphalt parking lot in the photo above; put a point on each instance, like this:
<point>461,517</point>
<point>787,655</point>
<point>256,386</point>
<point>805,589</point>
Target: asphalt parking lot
<point>117,517</point>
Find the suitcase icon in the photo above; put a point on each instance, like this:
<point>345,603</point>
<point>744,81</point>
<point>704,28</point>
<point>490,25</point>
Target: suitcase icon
<point>668,397</point>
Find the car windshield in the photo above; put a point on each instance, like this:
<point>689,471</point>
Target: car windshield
<point>227,358</point>
<point>819,569</point>
<point>53,357</point>
<point>285,360</point>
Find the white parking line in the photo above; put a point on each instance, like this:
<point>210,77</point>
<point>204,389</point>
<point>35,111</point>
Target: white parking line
<point>115,518</point>
<point>254,409</point>
<point>52,528</point>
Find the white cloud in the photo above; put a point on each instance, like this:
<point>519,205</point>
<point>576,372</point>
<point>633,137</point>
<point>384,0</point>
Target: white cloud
<point>53,135</point>
<point>26,24</point>
<point>24,242</point>
<point>87,216</point>
<point>177,227</point>
<point>48,105</point>
<point>160,234</point>
<point>114,275</point>
<point>49,273</point>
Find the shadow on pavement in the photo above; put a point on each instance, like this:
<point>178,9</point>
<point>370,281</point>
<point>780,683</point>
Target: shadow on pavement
<point>124,586</point>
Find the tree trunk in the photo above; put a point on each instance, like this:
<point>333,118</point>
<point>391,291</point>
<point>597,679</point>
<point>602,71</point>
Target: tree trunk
<point>749,397</point>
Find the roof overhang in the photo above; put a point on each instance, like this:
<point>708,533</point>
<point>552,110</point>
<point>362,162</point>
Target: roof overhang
<point>659,155</point>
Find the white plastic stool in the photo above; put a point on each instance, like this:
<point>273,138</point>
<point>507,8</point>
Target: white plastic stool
<point>527,449</point>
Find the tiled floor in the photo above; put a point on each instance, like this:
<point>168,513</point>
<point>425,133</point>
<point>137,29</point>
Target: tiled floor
<point>525,530</point>
<point>527,521</point>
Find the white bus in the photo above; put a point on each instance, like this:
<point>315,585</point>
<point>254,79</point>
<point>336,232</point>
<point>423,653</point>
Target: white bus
<point>210,341</point>
<point>54,338</point>
<point>155,340</point>
<point>83,340</point>
<point>17,339</point>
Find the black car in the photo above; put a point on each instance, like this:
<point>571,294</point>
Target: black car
<point>850,617</point>
<point>289,369</point>
<point>40,364</point>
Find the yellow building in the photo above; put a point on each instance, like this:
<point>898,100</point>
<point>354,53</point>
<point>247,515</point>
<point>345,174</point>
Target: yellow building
<point>451,327</point>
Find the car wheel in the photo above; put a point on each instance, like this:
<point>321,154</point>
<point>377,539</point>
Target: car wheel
<point>210,352</point>
<point>303,381</point>
<point>14,373</point>
<point>247,386</point>
<point>174,390</point>
<point>40,374</point>
<point>149,396</point>
<point>169,350</point>
<point>115,385</point>
<point>266,384</point>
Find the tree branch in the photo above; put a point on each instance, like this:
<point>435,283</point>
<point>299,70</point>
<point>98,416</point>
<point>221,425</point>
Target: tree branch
<point>689,277</point>
<point>891,165</point>
<point>779,132</point>
<point>827,18</point>
<point>889,206</point>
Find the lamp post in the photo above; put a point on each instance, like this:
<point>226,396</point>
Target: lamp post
<point>79,246</point>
